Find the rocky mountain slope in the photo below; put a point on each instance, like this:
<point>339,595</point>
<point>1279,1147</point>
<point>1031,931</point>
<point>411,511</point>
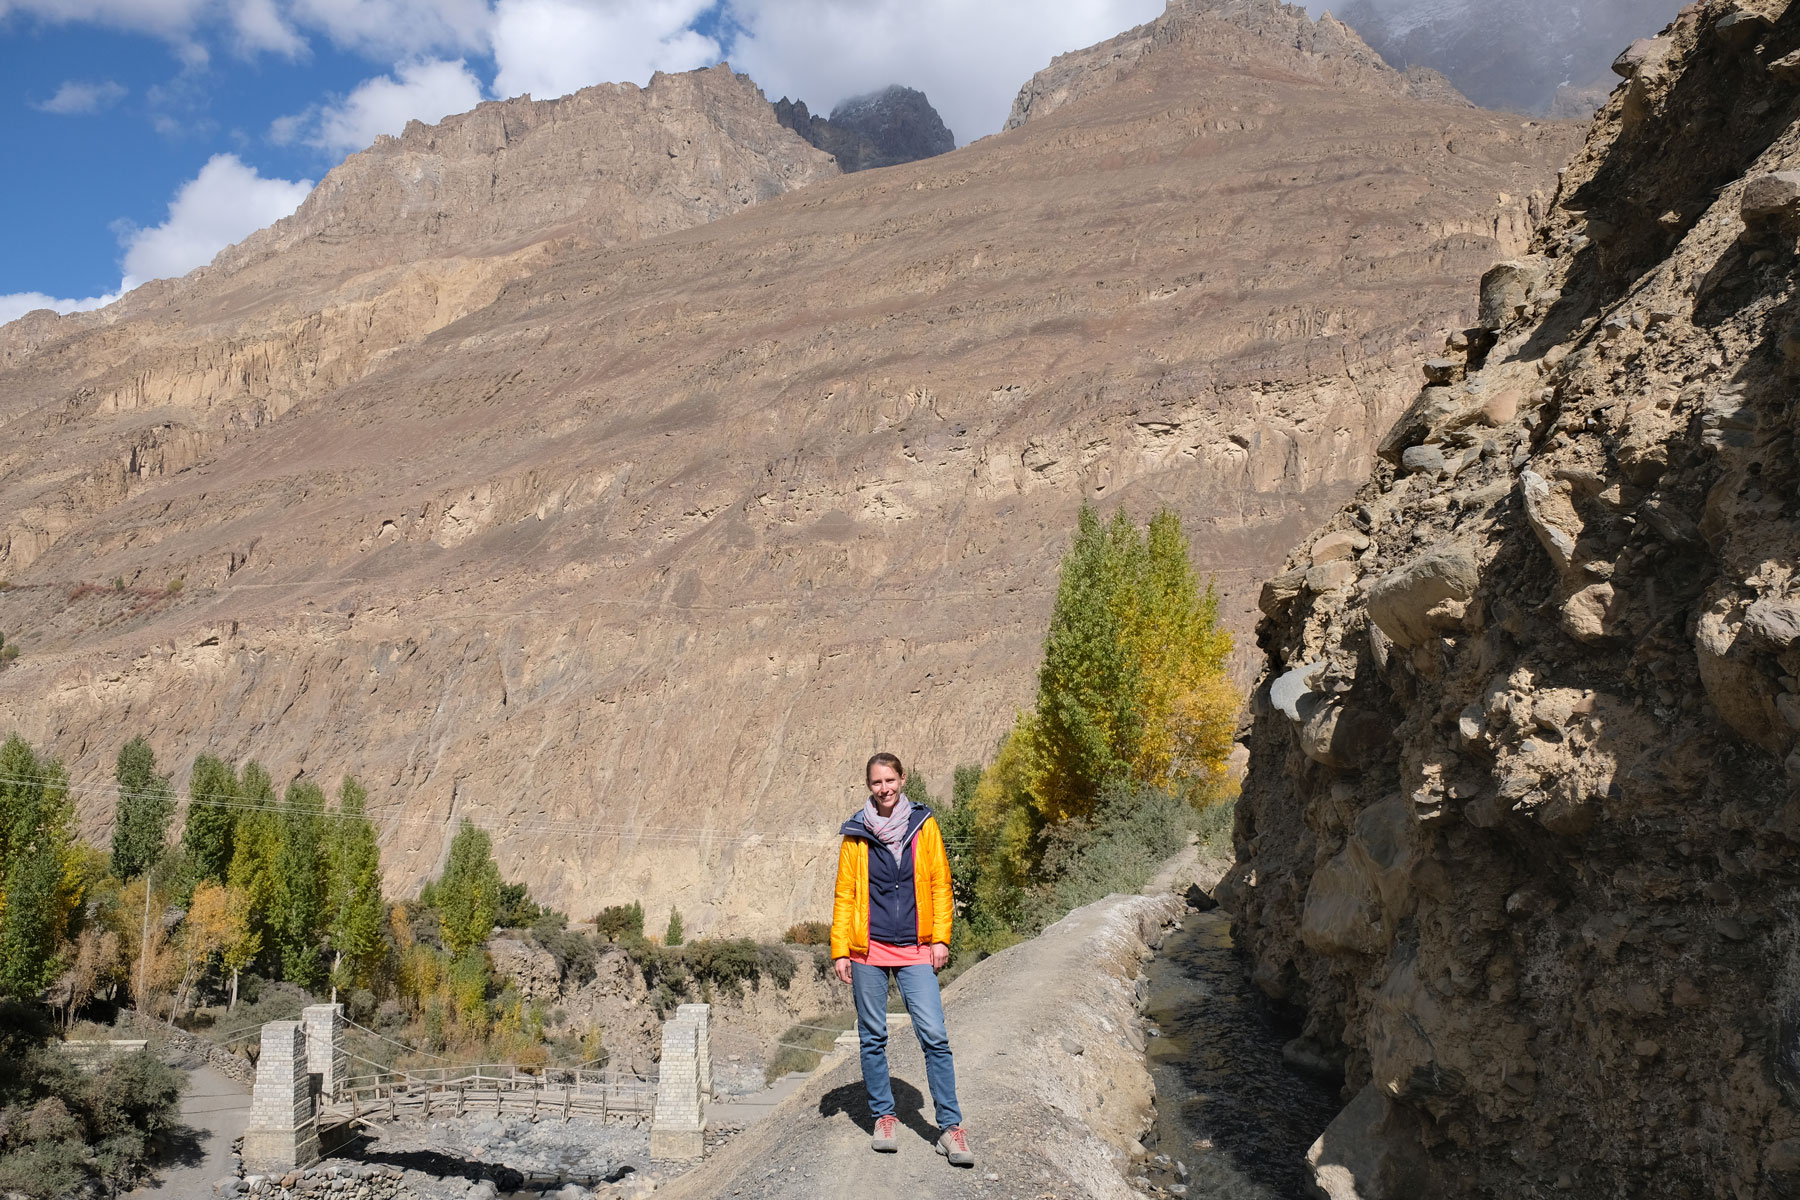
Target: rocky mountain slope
<point>1527,55</point>
<point>1325,51</point>
<point>634,553</point>
<point>882,129</point>
<point>1522,818</point>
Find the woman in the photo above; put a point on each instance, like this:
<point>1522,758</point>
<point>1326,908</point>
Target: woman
<point>891,918</point>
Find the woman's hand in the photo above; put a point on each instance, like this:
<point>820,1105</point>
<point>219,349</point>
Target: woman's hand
<point>940,956</point>
<point>842,967</point>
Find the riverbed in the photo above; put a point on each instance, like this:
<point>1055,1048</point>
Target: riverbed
<point>1228,1108</point>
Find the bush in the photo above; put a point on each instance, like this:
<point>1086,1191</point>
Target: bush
<point>517,909</point>
<point>620,922</point>
<point>1213,825</point>
<point>65,1132</point>
<point>1133,832</point>
<point>808,933</point>
<point>574,952</point>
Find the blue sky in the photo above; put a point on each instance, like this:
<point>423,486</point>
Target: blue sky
<point>142,136</point>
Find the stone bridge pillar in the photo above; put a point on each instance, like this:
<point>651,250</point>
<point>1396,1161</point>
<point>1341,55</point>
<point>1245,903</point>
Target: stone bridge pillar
<point>326,1060</point>
<point>700,1017</point>
<point>678,1123</point>
<point>282,1134</point>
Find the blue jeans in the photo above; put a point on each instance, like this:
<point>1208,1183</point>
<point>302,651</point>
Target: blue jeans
<point>918,987</point>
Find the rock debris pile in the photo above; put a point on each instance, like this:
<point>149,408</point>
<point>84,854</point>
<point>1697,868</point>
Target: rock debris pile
<point>1521,825</point>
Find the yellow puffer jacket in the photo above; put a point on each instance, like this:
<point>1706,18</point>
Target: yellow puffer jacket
<point>931,888</point>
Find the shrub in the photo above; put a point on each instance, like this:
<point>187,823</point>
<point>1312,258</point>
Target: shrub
<point>69,1132</point>
<point>620,921</point>
<point>574,952</point>
<point>518,910</point>
<point>808,933</point>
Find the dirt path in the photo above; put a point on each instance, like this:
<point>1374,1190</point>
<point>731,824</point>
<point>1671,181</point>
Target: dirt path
<point>1050,1074</point>
<point>215,1109</point>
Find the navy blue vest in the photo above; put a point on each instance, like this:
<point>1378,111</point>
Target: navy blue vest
<point>893,904</point>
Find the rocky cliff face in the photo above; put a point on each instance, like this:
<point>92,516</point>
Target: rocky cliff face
<point>882,129</point>
<point>1521,825</point>
<point>633,554</point>
<point>1526,55</point>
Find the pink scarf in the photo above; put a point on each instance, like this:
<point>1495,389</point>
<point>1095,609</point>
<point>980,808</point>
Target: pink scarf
<point>889,831</point>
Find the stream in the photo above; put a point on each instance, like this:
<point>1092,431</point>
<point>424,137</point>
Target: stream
<point>1228,1108</point>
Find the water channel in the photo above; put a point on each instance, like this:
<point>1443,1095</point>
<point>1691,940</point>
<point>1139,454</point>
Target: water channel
<point>1228,1107</point>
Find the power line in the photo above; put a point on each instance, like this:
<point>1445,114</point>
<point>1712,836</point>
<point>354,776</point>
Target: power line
<point>234,803</point>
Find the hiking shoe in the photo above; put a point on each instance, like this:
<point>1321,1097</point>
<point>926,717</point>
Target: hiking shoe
<point>954,1145</point>
<point>884,1140</point>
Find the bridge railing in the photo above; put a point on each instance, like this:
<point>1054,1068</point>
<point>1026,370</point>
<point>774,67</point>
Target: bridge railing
<point>495,1088</point>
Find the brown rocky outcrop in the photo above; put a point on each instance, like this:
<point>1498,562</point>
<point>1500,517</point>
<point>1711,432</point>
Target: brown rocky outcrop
<point>1542,906</point>
<point>634,556</point>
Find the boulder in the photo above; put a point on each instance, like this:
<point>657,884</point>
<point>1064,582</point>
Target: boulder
<point>1506,290</point>
<point>1774,622</point>
<point>1341,914</point>
<point>1338,736</point>
<point>1586,615</point>
<point>1502,406</point>
<point>1344,543</point>
<point>1370,1152</point>
<point>1786,69</point>
<point>1330,577</point>
<point>1550,510</point>
<point>1643,54</point>
<point>1736,688</point>
<point>1423,460</point>
<point>1292,687</point>
<point>1739,29</point>
<point>1439,371</point>
<point>1278,592</point>
<point>1426,596</point>
<point>1771,197</point>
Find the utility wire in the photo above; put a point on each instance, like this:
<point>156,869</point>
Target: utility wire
<point>564,828</point>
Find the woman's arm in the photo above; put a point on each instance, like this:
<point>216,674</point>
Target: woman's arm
<point>931,843</point>
<point>843,907</point>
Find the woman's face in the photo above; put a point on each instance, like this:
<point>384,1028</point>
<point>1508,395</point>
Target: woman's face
<point>885,783</point>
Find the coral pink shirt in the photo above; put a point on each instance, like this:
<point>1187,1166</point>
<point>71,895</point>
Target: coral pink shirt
<point>884,954</point>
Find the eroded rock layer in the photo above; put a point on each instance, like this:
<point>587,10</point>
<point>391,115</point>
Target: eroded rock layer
<point>1521,828</point>
<point>635,560</point>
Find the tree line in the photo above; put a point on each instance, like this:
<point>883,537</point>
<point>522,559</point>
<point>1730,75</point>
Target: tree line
<point>1123,750</point>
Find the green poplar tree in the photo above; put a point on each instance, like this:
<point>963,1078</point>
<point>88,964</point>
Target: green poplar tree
<point>141,817</point>
<point>37,897</point>
<point>212,815</point>
<point>256,853</point>
<point>353,891</point>
<point>300,883</point>
<point>468,894</point>
<point>1087,721</point>
<point>673,934</point>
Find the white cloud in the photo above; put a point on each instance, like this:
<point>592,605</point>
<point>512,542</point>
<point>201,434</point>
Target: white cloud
<point>226,202</point>
<point>397,28</point>
<point>164,18</point>
<point>425,91</point>
<point>258,25</point>
<point>17,304</point>
<point>970,59</point>
<point>75,98</point>
<point>554,47</point>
